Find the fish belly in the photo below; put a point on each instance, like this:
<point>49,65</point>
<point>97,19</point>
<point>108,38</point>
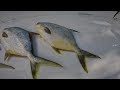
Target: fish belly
<point>14,52</point>
<point>61,44</point>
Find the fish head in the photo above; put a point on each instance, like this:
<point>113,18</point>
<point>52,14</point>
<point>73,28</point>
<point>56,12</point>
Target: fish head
<point>5,34</point>
<point>15,40</point>
<point>39,27</point>
<point>8,37</point>
<point>11,32</point>
<point>42,29</point>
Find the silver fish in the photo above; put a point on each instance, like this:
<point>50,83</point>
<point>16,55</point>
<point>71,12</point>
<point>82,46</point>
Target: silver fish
<point>62,38</point>
<point>17,42</point>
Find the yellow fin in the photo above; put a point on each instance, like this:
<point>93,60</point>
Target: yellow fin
<point>35,66</point>
<point>56,50</point>
<point>83,62</point>
<point>34,69</point>
<point>6,58</point>
<point>50,63</point>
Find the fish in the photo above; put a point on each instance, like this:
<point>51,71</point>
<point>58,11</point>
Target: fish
<point>61,38</point>
<point>17,42</point>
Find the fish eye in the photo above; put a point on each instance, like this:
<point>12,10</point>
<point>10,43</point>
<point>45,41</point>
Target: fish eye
<point>47,30</point>
<point>4,35</point>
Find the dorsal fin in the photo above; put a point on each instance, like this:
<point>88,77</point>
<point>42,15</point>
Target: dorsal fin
<point>74,30</point>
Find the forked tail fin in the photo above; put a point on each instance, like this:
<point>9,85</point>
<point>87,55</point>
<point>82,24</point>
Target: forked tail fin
<point>82,58</point>
<point>43,62</point>
<point>89,55</point>
<point>34,69</point>
<point>83,62</point>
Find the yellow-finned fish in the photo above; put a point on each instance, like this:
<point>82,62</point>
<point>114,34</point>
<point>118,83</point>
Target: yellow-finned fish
<point>62,38</point>
<point>17,42</point>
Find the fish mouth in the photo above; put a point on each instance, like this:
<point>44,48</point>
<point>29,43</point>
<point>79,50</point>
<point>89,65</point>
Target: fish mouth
<point>38,23</point>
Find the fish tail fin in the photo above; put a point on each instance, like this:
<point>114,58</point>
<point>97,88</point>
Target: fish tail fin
<point>82,58</point>
<point>35,65</point>
<point>89,55</point>
<point>34,69</point>
<point>83,62</point>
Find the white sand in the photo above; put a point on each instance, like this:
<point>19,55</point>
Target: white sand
<point>93,38</point>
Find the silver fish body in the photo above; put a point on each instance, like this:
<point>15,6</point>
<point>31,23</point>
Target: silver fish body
<point>62,38</point>
<point>17,42</point>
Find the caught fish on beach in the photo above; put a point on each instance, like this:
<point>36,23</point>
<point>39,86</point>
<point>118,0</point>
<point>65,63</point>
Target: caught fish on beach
<point>17,42</point>
<point>62,38</point>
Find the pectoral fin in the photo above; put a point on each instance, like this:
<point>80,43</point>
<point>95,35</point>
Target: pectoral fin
<point>56,50</point>
<point>8,56</point>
